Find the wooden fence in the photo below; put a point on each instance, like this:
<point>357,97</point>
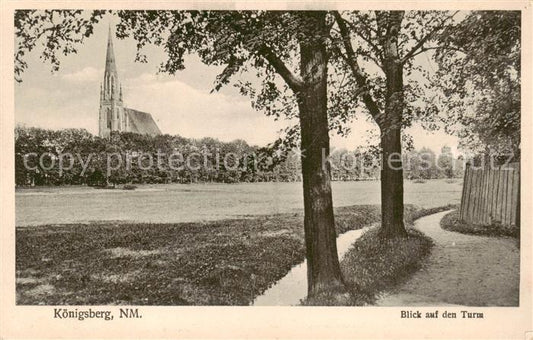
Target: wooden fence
<point>491,196</point>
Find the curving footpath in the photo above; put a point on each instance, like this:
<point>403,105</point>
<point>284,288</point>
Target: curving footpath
<point>461,270</point>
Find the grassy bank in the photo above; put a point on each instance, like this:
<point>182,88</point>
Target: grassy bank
<point>452,222</point>
<point>226,262</point>
<point>374,265</point>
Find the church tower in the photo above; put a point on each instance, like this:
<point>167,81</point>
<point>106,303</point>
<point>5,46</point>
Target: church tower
<point>111,117</point>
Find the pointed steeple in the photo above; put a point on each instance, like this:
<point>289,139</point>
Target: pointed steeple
<point>111,116</point>
<point>111,82</point>
<point>110,66</point>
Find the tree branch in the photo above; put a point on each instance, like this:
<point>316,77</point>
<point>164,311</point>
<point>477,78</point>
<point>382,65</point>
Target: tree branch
<point>359,76</point>
<point>294,82</point>
<point>418,45</point>
<point>368,39</point>
<point>424,49</point>
<point>368,26</point>
<point>422,41</point>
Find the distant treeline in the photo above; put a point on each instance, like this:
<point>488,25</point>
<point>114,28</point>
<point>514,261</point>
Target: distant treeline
<point>76,157</point>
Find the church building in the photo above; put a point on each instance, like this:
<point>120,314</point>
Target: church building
<point>113,115</point>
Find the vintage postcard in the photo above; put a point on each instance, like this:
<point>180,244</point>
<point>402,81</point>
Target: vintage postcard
<point>266,170</point>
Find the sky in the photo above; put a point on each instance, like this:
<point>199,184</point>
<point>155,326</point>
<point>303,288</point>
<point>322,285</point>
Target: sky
<point>181,104</point>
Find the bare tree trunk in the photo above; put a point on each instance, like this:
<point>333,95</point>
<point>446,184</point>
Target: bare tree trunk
<point>392,223</point>
<point>323,271</point>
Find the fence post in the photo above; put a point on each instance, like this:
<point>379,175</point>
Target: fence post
<point>466,184</point>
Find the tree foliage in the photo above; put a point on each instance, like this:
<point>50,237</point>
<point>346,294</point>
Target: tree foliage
<point>54,32</point>
<point>362,50</point>
<point>479,76</point>
<point>201,160</point>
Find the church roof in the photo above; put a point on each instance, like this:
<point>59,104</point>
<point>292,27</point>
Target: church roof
<point>142,122</point>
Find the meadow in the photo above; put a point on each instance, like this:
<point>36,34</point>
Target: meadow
<point>212,244</point>
<point>176,203</point>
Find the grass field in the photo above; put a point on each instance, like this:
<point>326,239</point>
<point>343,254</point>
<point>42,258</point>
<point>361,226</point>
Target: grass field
<point>226,262</point>
<point>178,244</point>
<point>175,203</point>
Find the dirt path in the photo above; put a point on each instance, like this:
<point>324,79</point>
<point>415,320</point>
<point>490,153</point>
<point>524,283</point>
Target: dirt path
<point>461,270</point>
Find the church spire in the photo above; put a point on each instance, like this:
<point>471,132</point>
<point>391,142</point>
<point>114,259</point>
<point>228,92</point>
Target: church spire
<point>111,107</point>
<point>111,82</point>
<point>110,66</point>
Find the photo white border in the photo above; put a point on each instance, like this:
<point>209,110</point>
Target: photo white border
<point>259,322</point>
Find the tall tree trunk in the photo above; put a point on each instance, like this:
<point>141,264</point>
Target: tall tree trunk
<point>323,270</point>
<point>392,223</point>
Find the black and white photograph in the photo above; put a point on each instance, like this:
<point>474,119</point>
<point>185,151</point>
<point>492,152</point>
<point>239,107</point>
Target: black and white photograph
<point>299,157</point>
